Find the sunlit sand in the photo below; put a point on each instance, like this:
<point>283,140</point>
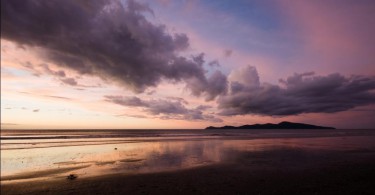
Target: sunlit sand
<point>124,154</point>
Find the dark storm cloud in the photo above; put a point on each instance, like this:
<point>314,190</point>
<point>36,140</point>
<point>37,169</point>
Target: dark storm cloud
<point>215,85</point>
<point>45,69</point>
<point>127,101</point>
<point>59,73</point>
<point>69,81</point>
<point>108,39</point>
<point>300,93</point>
<point>165,109</point>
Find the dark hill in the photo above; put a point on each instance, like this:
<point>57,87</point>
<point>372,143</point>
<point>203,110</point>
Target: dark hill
<point>282,125</point>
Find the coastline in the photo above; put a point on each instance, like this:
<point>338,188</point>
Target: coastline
<point>191,162</point>
<point>278,171</point>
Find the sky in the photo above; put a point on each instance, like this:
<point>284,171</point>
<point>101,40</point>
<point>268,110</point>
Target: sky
<point>186,64</point>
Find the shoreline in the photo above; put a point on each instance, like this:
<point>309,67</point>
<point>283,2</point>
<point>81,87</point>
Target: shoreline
<point>318,164</point>
<point>277,171</point>
<point>352,178</point>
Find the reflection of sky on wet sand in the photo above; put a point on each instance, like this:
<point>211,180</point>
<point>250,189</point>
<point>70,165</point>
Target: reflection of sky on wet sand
<point>152,156</point>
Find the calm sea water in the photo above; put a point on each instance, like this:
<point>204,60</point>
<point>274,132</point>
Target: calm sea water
<point>28,139</point>
<point>39,154</point>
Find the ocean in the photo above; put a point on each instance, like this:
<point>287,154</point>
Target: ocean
<point>40,154</point>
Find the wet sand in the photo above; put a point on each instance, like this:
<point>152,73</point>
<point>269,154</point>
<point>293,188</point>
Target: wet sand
<point>233,162</point>
<point>275,171</point>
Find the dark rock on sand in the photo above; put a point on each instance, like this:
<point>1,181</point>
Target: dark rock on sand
<point>72,177</point>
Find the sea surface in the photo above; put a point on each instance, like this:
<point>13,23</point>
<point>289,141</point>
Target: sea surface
<point>54,154</point>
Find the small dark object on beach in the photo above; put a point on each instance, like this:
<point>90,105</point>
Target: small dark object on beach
<point>71,177</point>
<point>115,148</point>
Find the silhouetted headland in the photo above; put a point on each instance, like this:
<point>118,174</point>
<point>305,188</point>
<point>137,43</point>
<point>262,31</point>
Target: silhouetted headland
<point>282,125</point>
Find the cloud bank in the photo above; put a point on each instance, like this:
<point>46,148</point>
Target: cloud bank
<point>109,39</point>
<point>300,93</point>
<point>172,108</point>
<point>115,41</point>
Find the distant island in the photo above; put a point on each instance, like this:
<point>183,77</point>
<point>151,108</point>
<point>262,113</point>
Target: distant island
<point>282,125</point>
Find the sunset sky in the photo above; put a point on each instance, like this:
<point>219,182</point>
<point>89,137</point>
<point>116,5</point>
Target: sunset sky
<point>186,63</point>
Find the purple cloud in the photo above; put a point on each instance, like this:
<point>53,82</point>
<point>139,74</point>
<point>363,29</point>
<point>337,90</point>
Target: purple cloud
<point>106,38</point>
<point>300,93</point>
<point>165,109</point>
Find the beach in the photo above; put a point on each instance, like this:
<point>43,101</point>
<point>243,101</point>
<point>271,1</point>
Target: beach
<point>190,162</point>
<point>242,97</point>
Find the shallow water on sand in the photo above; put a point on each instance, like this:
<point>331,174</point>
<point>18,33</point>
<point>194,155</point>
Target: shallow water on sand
<point>33,155</point>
